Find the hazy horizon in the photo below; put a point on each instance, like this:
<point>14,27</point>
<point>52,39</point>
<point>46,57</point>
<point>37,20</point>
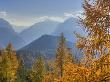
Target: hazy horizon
<point>28,12</point>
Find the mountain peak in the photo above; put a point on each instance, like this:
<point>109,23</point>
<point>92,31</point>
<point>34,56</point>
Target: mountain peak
<point>5,24</point>
<point>3,21</point>
<point>8,35</point>
<point>38,29</point>
<point>46,35</point>
<point>71,19</point>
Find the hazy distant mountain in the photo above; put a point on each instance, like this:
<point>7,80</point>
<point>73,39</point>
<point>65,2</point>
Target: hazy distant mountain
<point>45,45</point>
<point>38,29</point>
<point>19,29</point>
<point>8,35</point>
<point>68,27</point>
<point>35,31</point>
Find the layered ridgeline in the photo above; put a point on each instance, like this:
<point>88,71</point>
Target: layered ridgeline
<point>68,27</point>
<point>38,29</point>
<point>8,35</point>
<point>46,45</point>
<point>40,38</point>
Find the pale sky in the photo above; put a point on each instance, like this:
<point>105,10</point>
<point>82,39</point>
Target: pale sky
<point>28,12</point>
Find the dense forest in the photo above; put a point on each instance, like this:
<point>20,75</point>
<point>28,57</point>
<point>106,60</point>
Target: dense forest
<point>94,66</point>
